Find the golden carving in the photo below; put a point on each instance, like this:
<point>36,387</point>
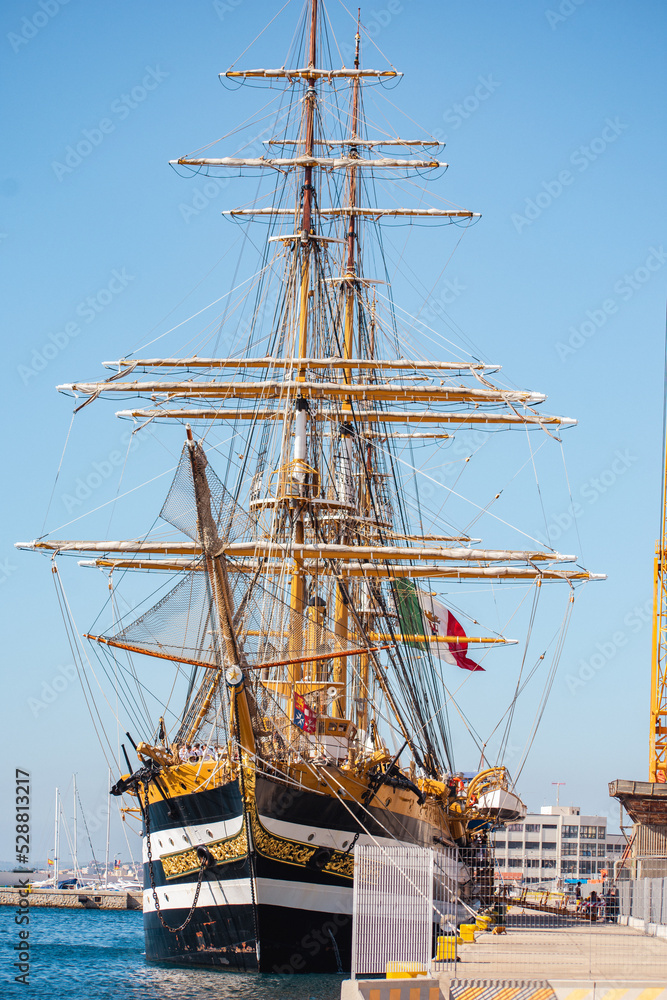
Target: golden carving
<point>294,852</point>
<point>235,848</point>
<point>248,783</point>
<point>187,863</point>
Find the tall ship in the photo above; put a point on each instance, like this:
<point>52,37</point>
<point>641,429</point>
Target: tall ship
<point>309,655</point>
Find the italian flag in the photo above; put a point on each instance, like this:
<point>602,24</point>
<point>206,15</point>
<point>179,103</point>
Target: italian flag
<point>420,614</point>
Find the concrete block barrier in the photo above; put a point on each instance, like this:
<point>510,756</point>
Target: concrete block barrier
<point>392,989</point>
<point>486,989</point>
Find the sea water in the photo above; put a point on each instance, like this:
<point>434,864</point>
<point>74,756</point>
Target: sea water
<point>99,955</point>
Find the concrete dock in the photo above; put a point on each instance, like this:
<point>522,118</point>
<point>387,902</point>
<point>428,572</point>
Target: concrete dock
<point>580,952</point>
<point>578,962</point>
<point>82,899</point>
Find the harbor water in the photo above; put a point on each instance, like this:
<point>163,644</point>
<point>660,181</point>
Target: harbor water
<point>99,955</point>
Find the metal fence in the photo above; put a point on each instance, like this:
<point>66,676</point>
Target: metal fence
<point>404,908</point>
<point>407,910</point>
<point>644,901</point>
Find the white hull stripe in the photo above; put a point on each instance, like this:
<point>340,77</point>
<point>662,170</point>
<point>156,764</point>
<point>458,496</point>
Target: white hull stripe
<point>340,840</point>
<point>203,833</point>
<point>181,838</point>
<point>268,891</point>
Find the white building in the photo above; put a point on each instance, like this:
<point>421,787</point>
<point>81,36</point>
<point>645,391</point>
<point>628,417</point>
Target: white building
<point>557,842</point>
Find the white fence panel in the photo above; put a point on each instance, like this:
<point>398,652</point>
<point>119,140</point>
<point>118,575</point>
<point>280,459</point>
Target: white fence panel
<point>405,897</point>
<point>392,907</point>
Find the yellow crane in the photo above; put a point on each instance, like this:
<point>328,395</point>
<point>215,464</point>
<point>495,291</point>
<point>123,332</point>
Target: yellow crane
<point>658,725</point>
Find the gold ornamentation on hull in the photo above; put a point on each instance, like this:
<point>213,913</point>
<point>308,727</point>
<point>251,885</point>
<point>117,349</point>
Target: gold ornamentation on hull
<point>186,862</point>
<point>248,784</point>
<point>294,852</point>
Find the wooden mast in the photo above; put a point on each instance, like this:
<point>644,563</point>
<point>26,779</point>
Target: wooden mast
<point>341,616</point>
<point>304,246</point>
<point>219,581</point>
<point>354,153</point>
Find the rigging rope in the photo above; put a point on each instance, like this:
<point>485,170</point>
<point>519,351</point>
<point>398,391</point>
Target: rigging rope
<point>60,464</point>
<point>550,679</point>
<point>72,638</point>
<point>510,715</point>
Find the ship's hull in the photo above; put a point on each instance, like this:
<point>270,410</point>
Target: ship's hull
<point>281,901</point>
<point>261,938</point>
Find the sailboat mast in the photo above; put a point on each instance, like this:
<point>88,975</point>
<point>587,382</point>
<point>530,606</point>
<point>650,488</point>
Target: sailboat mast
<point>74,838</point>
<point>56,841</point>
<point>106,854</point>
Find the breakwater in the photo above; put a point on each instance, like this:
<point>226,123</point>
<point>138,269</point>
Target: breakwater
<point>87,899</point>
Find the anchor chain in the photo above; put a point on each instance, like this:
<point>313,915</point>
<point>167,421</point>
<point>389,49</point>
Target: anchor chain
<point>353,842</point>
<point>202,868</point>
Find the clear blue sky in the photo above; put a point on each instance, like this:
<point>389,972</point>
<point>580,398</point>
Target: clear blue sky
<point>554,117</point>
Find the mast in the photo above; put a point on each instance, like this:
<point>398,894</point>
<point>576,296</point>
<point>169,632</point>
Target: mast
<point>106,853</point>
<point>218,578</point>
<point>304,248</point>
<point>311,97</point>
<point>354,153</point>
<point>74,838</point>
<point>56,839</point>
<point>350,286</point>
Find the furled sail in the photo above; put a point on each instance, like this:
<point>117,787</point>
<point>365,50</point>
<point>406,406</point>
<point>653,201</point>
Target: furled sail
<point>185,625</point>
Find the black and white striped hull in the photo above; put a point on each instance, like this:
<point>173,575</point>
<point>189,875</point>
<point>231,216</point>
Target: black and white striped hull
<point>288,929</point>
<point>257,913</point>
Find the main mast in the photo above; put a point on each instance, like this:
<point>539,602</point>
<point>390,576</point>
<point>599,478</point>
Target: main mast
<point>350,288</point>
